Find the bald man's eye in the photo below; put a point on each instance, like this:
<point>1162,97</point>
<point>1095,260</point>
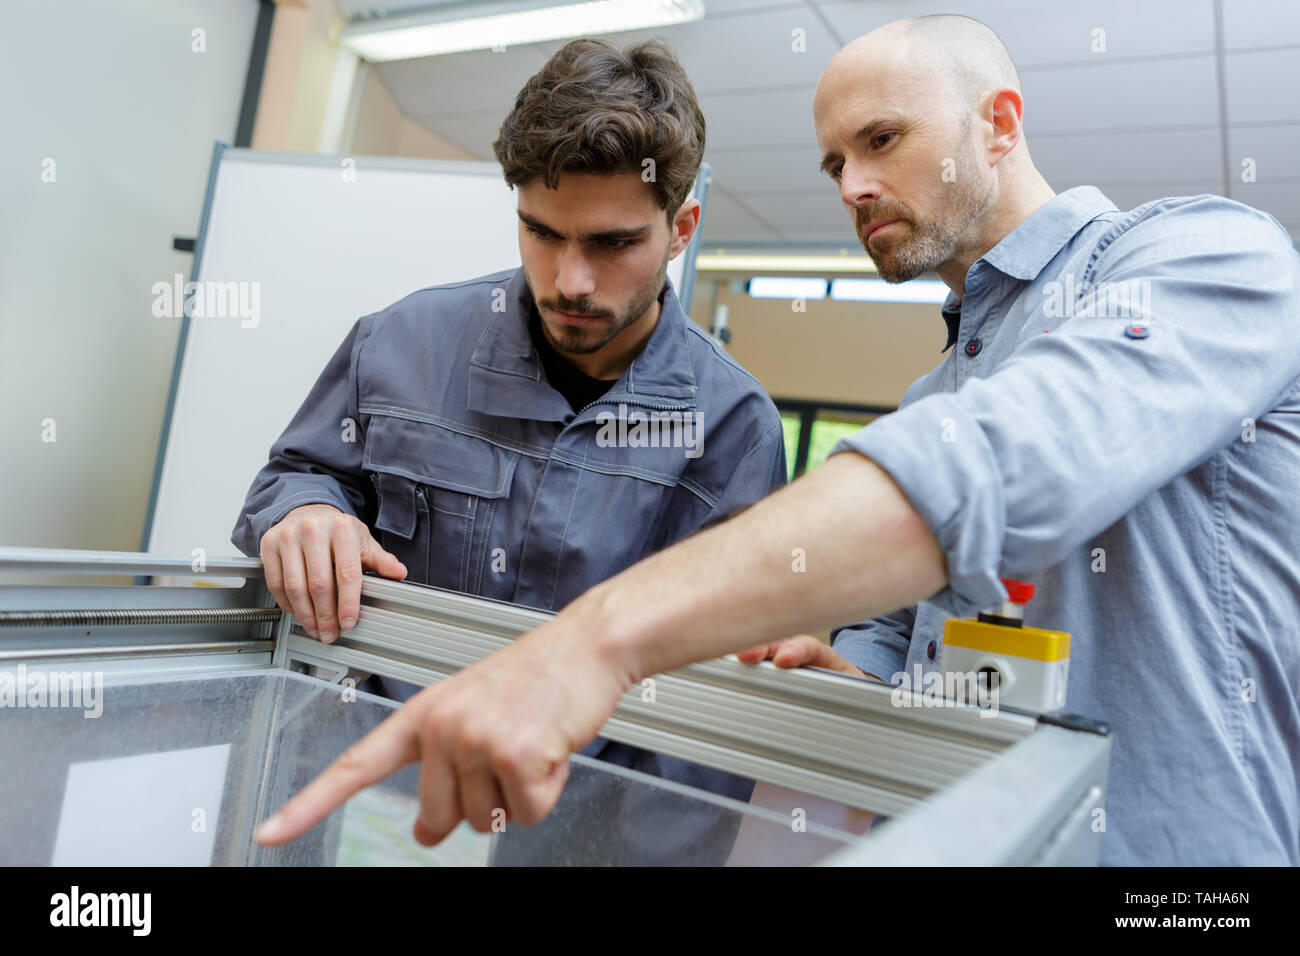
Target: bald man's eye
<point>836,172</point>
<point>881,140</point>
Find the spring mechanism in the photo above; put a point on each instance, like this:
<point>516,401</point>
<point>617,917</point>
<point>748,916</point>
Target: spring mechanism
<point>114,616</point>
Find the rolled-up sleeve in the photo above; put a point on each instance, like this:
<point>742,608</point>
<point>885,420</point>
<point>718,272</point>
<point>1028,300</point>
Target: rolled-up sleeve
<point>878,646</point>
<point>317,460</point>
<point>1013,470</point>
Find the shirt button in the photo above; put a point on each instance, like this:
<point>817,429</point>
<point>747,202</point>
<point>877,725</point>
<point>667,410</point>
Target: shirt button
<point>929,651</point>
<point>973,348</point>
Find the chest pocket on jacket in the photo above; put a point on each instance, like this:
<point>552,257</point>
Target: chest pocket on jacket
<point>438,495</point>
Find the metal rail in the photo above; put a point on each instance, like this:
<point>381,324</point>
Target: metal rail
<point>103,617</point>
<point>842,738</point>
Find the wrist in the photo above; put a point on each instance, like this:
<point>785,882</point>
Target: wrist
<point>605,626</point>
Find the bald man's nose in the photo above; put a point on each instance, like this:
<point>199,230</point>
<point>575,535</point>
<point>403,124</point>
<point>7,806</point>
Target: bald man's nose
<point>858,186</point>
<point>576,277</point>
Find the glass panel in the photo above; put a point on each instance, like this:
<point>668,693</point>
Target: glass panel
<point>176,772</point>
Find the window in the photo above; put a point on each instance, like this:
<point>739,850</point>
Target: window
<point>812,429</point>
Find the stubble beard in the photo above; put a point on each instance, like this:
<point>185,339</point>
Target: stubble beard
<point>580,340</point>
<point>923,248</point>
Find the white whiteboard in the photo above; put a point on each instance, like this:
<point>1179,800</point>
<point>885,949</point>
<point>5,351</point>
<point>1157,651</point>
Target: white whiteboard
<point>325,244</point>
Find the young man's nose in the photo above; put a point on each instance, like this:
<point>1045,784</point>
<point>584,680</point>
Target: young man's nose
<point>576,278</point>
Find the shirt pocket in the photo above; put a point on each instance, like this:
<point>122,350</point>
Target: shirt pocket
<point>438,495</point>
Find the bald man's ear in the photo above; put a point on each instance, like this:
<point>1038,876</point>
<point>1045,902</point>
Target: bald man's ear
<point>1003,110</point>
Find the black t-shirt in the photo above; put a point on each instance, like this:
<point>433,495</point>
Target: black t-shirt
<point>578,388</point>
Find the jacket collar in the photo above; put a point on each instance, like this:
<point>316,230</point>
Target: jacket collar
<point>506,378</point>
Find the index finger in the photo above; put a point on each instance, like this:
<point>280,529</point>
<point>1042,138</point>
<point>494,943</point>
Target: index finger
<point>385,750</point>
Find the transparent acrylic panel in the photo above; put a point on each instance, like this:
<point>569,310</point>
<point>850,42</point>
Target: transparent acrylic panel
<point>180,771</point>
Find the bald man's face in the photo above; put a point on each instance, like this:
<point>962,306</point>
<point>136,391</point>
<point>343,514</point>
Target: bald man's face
<point>905,163</point>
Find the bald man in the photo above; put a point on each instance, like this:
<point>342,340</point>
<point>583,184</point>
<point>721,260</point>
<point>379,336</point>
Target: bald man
<point>1116,419</point>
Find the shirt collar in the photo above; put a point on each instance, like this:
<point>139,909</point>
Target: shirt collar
<point>506,374</point>
<point>1027,249</point>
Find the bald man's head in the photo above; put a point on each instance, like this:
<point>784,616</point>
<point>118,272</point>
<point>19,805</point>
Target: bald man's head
<point>918,122</point>
<point>973,57</point>
<point>962,54</point>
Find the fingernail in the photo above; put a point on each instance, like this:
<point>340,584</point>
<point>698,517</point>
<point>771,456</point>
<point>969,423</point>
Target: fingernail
<point>269,829</point>
<point>348,622</point>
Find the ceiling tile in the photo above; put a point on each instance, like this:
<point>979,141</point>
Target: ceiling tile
<point>1115,96</point>
<point>1256,85</point>
<point>739,53</point>
<point>1048,34</point>
<point>777,118</point>
<point>1273,148</point>
<point>773,168</point>
<point>1127,155</point>
<point>461,83</point>
<point>1250,23</point>
<point>805,216</point>
<point>726,220</point>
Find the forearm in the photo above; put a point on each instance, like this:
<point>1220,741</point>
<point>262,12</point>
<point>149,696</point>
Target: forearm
<point>840,544</point>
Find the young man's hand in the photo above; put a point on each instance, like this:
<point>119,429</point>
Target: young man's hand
<point>310,551</point>
<point>802,650</point>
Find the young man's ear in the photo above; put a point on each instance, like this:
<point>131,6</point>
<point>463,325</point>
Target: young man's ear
<point>683,226</point>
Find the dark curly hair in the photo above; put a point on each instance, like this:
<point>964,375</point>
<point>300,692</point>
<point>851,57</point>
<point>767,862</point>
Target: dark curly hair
<point>595,108</point>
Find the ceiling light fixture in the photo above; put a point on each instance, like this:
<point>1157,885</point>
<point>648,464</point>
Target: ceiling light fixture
<point>496,26</point>
<point>720,261</point>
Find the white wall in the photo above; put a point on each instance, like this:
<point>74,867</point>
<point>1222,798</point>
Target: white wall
<point>114,94</point>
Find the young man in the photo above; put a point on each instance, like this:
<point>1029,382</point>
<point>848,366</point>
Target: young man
<point>1139,468</point>
<point>525,435</point>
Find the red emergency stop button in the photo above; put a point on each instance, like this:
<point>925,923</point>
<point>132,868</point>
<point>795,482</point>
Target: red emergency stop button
<point>1018,592</point>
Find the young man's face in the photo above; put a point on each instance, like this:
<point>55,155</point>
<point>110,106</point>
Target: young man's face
<point>595,253</point>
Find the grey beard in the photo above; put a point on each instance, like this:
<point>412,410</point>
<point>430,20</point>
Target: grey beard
<point>921,254</point>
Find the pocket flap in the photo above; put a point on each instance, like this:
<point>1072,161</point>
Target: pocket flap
<point>396,505</point>
<point>432,455</point>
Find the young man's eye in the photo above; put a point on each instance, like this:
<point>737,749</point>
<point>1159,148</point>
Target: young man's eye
<point>616,244</point>
<point>538,234</point>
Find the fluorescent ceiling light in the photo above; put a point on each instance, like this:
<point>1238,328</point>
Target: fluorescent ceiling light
<point>785,287</point>
<point>721,262</point>
<point>878,290</point>
<point>499,25</point>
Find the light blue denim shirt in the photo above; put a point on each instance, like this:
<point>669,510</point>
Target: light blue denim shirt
<point>1119,424</point>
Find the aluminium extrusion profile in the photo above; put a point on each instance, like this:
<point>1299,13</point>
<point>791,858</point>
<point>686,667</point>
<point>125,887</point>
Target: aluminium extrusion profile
<point>837,737</point>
